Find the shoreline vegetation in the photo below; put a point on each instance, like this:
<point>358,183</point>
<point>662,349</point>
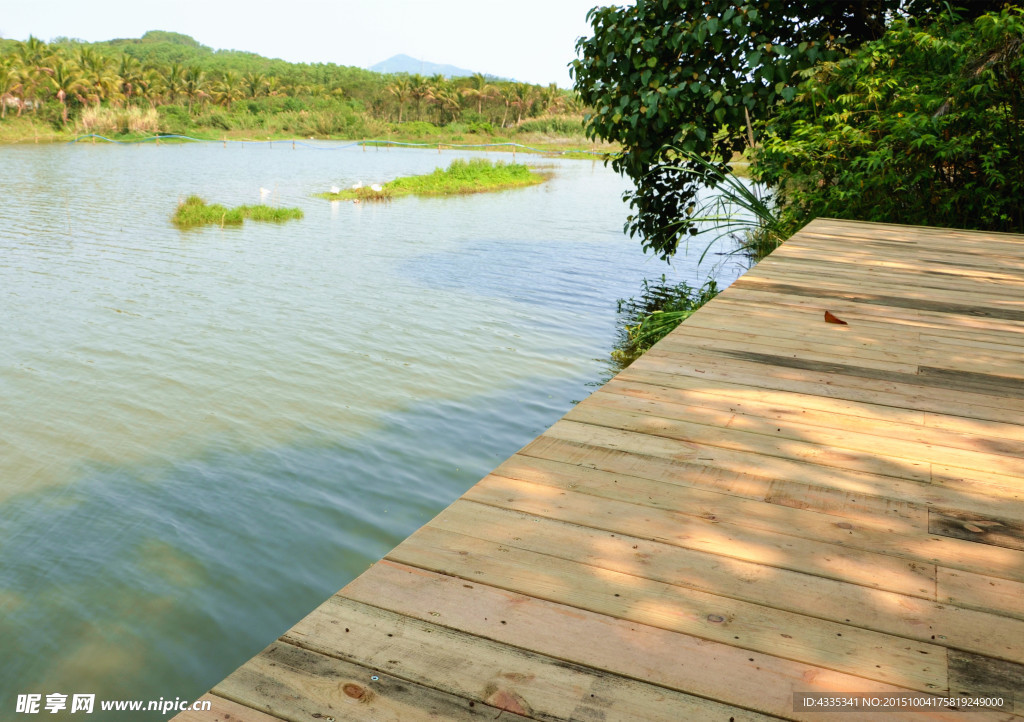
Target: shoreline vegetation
<point>461,177</point>
<point>168,84</point>
<point>195,211</point>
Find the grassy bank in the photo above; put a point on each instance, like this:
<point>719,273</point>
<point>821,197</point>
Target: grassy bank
<point>194,211</point>
<point>461,177</point>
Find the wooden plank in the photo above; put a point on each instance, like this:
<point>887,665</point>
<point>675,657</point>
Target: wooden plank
<point>871,655</point>
<point>671,452</point>
<point>852,388</point>
<point>699,519</point>
<point>816,597</point>
<point>996,385</point>
<point>669,659</point>
<point>297,684</point>
<point>816,405</point>
<point>830,430</point>
<point>884,321</point>
<point>977,528</point>
<point>802,411</point>
<point>980,591</point>
<point>979,676</point>
<point>750,444</point>
<point>503,676</point>
<point>704,338</point>
<point>547,456</point>
<point>224,710</point>
<point>899,351</point>
<point>966,261</point>
<point>893,288</point>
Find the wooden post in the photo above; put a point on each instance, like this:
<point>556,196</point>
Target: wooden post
<point>439,149</point>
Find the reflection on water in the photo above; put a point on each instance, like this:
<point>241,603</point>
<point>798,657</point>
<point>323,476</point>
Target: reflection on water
<point>205,433</point>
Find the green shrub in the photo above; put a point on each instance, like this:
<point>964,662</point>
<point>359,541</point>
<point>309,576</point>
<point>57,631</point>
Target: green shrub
<point>921,127</point>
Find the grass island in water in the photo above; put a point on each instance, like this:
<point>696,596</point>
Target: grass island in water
<point>194,211</point>
<point>461,177</point>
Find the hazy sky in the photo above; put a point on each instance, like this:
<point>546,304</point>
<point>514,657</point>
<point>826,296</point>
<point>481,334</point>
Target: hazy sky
<point>528,40</point>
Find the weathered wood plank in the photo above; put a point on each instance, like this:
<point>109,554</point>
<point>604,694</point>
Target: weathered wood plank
<point>800,593</point>
<point>934,399</point>
<point>980,591</point>
<point>499,675</point>
<point>224,710</point>
<point>979,676</point>
<point>871,655</point>
<point>669,659</point>
<point>297,684</point>
<point>976,528</point>
<point>825,430</point>
<point>699,519</point>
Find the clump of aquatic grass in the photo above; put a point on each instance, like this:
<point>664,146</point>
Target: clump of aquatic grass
<point>363,193</point>
<point>661,307</point>
<point>473,176</point>
<point>194,211</point>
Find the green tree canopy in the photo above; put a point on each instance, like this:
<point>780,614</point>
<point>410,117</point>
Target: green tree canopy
<point>697,74</point>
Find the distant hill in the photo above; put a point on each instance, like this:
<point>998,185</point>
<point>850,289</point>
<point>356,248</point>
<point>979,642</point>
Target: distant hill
<point>405,64</point>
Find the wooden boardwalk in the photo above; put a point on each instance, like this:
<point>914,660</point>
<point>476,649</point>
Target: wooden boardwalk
<point>764,505</point>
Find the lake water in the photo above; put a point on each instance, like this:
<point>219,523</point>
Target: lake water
<point>203,434</point>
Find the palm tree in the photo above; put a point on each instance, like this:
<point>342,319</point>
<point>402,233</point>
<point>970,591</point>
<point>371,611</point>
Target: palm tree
<point>551,99</point>
<point>9,87</point>
<point>173,77</point>
<point>194,85</point>
<point>419,89</point>
<point>35,59</point>
<point>67,83</point>
<point>401,88</point>
<point>151,86</point>
<point>131,76</point>
<point>228,88</point>
<point>480,89</point>
<point>523,99</point>
<point>254,84</point>
<point>97,74</point>
<point>507,94</point>
<point>446,98</point>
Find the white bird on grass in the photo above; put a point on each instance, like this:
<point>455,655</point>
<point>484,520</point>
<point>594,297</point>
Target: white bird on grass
<point>376,187</point>
<point>357,186</point>
<point>335,189</point>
